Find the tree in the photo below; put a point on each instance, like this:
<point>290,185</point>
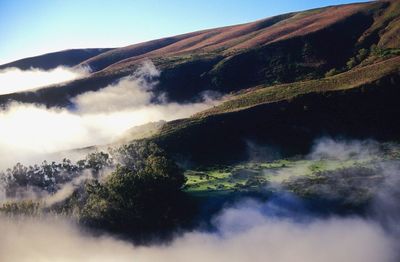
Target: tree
<point>141,195</point>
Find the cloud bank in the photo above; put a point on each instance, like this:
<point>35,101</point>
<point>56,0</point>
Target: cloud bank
<point>16,80</point>
<point>29,131</point>
<point>277,230</point>
<point>244,233</point>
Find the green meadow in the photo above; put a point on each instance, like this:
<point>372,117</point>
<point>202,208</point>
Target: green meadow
<point>257,176</point>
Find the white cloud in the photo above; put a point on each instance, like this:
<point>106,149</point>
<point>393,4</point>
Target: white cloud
<point>243,234</point>
<point>16,80</point>
<point>328,148</point>
<point>28,131</point>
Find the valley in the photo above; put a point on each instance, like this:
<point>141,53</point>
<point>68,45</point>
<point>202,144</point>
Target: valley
<point>228,142</point>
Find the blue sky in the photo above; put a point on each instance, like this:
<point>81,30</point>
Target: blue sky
<point>33,27</point>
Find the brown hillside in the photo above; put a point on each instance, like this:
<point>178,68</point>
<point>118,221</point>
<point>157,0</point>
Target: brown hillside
<point>283,49</point>
<point>229,39</point>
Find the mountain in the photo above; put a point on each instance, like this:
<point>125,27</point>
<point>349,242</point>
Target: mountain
<point>362,103</point>
<point>292,78</point>
<point>297,89</point>
<point>68,58</point>
<point>281,49</point>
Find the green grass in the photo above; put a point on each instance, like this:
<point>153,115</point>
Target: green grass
<point>255,176</point>
<point>172,61</point>
<point>347,80</point>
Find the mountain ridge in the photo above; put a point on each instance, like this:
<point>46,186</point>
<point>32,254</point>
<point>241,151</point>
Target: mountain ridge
<point>68,57</point>
<point>209,60</point>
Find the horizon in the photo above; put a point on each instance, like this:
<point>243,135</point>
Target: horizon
<point>56,26</point>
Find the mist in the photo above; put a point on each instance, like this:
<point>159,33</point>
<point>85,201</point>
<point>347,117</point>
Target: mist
<point>329,148</point>
<point>244,233</point>
<point>16,80</point>
<point>28,132</point>
<point>247,231</point>
<point>280,229</point>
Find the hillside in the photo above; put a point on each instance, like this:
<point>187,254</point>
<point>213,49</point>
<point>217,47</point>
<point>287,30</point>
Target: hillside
<point>260,136</point>
<point>69,58</point>
<point>358,104</point>
<point>292,78</point>
<point>282,49</point>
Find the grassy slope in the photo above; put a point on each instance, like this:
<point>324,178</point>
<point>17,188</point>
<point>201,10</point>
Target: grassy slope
<point>70,57</point>
<point>336,184</point>
<point>257,175</point>
<point>248,98</point>
<point>347,80</point>
<point>283,49</point>
<point>360,103</point>
<point>235,39</point>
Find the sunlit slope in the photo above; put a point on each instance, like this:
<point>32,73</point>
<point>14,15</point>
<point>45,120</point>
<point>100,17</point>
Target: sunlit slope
<point>231,39</point>
<point>277,50</point>
<point>69,58</point>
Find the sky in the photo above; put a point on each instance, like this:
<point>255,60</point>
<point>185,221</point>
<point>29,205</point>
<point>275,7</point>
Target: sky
<point>34,27</point>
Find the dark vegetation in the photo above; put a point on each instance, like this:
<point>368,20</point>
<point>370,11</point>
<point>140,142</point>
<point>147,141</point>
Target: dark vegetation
<point>134,191</point>
<point>141,196</point>
<point>23,181</point>
<point>288,126</point>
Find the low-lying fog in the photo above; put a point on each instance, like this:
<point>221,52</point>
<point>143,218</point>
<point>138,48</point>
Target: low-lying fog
<point>280,229</point>
<point>16,80</point>
<point>29,131</point>
<point>246,231</point>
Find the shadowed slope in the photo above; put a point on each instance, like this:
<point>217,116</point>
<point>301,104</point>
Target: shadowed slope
<point>362,103</point>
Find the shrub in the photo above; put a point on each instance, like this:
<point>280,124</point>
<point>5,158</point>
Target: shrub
<point>25,207</point>
<point>332,72</point>
<point>362,54</point>
<point>351,63</point>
